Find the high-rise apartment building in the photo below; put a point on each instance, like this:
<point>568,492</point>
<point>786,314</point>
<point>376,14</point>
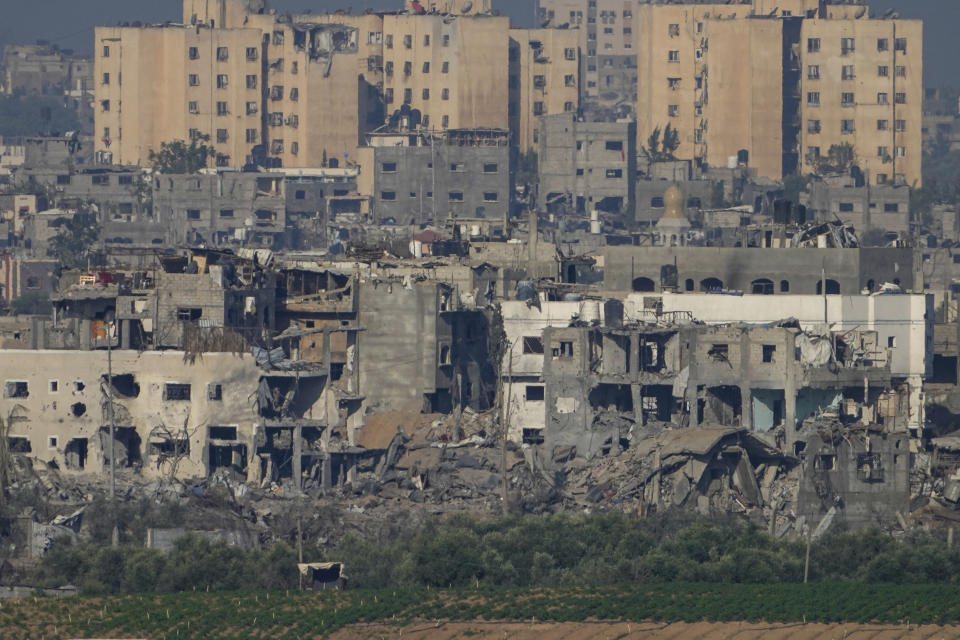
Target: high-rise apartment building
<point>776,84</point>
<point>283,93</point>
<point>544,79</point>
<point>607,42</point>
<point>862,84</point>
<point>451,70</point>
<point>293,91</point>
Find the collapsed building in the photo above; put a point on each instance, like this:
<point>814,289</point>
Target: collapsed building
<point>832,412</point>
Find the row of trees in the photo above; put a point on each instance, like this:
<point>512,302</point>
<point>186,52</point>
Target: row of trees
<point>595,549</point>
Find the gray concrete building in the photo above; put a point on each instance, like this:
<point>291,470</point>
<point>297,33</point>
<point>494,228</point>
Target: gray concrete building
<point>587,165</point>
<point>221,208</point>
<point>433,175</point>
<point>865,206</point>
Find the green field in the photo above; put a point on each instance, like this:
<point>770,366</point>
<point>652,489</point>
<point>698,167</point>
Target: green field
<point>300,615</point>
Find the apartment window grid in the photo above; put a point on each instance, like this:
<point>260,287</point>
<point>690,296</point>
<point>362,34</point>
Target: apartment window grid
<point>673,56</point>
<point>847,99</point>
<point>848,127</point>
<point>847,46</point>
<point>222,109</point>
<point>252,54</point>
<point>813,98</point>
<point>847,72</point>
<point>883,71</point>
<point>223,54</point>
<point>813,72</point>
<point>900,126</point>
<point>813,45</point>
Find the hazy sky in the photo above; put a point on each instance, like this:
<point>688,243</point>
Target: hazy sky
<point>70,23</point>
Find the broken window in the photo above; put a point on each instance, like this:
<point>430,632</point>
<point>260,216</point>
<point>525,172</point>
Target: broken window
<point>222,433</point>
<point>869,467</point>
<point>532,436</point>
<point>126,446</point>
<point>173,447</point>
<point>719,352</point>
<point>563,350</point>
<point>532,345</point>
<point>191,313</point>
<point>16,389</point>
<point>176,391</point>
<point>223,54</point>
<point>824,462</point>
<point>18,444</point>
<point>214,391</point>
<point>251,54</point>
<point>534,392</point>
<point>124,385</point>
<point>75,454</point>
<point>768,351</point>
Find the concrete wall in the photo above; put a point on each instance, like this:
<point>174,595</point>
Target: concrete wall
<point>398,346</point>
<point>738,268</point>
<point>868,498</point>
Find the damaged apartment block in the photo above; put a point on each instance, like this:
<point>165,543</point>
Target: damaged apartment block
<point>826,405</point>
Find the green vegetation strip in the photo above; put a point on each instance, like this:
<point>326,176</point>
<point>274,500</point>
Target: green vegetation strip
<point>290,615</point>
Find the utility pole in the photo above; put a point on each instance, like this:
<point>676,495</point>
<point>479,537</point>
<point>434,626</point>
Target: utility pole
<point>113,426</point>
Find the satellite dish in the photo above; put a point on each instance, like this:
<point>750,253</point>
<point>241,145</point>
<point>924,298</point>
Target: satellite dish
<point>466,6</point>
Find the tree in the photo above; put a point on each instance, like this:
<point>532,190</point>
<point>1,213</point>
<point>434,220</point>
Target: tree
<point>74,244</point>
<point>840,158</point>
<point>661,148</point>
<point>179,157</point>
